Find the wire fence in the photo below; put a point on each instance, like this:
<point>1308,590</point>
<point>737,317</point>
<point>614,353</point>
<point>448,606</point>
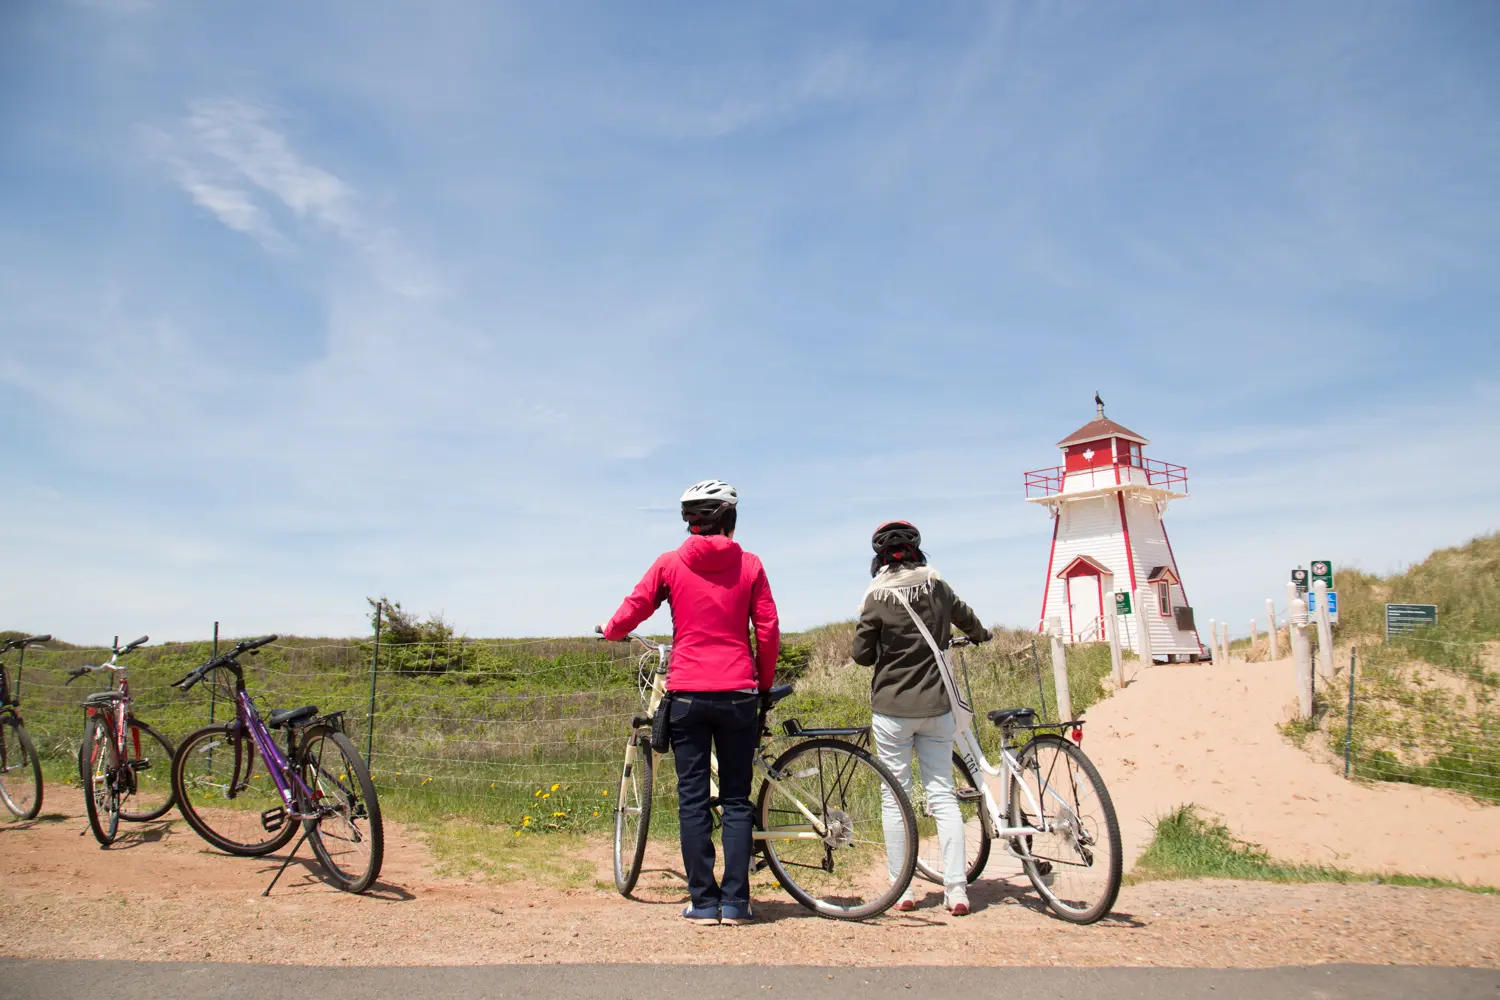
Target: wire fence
<point>486,730</point>
<point>1402,722</point>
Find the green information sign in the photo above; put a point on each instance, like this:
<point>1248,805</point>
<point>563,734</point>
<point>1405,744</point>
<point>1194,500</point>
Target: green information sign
<point>1322,569</point>
<point>1122,602</point>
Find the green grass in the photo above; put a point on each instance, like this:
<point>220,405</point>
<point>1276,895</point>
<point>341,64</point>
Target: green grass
<point>1188,846</point>
<point>476,745</point>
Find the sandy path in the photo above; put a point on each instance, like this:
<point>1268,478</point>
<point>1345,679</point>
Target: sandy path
<point>159,894</point>
<point>1207,734</point>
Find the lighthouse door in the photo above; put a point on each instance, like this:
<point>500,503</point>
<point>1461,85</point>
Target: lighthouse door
<point>1085,594</point>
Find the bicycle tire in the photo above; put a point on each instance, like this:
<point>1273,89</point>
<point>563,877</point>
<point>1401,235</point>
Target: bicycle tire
<point>163,761</point>
<point>638,779</point>
<point>782,867</point>
<point>1103,814</point>
<point>18,757</point>
<point>196,793</point>
<point>359,809</point>
<point>963,781</point>
<point>98,764</point>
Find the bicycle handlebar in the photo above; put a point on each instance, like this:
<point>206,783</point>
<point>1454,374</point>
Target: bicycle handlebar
<point>78,672</point>
<point>223,660</point>
<point>23,643</point>
<point>126,649</point>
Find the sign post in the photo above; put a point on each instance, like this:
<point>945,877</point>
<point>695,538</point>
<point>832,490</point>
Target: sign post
<point>1299,580</point>
<point>1122,602</point>
<point>1322,569</point>
<point>1403,618</point>
<point>1115,659</point>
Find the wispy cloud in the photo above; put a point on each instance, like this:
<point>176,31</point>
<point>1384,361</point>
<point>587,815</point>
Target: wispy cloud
<point>234,158</point>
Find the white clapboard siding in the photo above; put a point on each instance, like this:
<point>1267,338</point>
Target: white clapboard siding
<point>1087,527</point>
<point>1149,543</point>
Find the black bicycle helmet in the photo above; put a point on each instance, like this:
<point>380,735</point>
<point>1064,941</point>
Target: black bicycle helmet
<point>896,541</point>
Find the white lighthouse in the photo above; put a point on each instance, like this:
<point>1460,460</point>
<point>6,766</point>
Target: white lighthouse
<point>1107,500</point>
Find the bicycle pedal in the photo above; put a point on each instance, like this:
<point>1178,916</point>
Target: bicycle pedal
<point>144,764</point>
<point>968,794</point>
<point>760,864</point>
<point>273,819</point>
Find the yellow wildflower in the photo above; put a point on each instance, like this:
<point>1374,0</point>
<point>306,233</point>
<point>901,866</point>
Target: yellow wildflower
<point>525,820</point>
<point>555,786</point>
<point>546,795</point>
<point>555,815</point>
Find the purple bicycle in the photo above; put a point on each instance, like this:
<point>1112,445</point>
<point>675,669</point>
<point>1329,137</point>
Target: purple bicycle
<point>246,796</point>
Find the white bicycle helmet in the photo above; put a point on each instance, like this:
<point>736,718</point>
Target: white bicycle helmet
<point>712,490</point>
<point>709,507</point>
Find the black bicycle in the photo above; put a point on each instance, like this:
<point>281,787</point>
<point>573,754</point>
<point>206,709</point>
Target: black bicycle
<point>20,768</point>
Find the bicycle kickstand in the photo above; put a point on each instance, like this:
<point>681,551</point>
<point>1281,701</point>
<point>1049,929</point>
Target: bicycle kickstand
<point>300,840</point>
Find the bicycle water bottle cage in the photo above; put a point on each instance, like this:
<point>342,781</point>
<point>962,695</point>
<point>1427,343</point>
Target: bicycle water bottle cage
<point>273,819</point>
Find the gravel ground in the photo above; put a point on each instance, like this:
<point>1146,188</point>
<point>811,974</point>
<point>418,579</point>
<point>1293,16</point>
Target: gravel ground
<point>160,894</point>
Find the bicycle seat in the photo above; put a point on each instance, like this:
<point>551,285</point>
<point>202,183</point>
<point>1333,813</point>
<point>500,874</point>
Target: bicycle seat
<point>1013,716</point>
<point>104,697</point>
<point>779,692</point>
<point>291,716</point>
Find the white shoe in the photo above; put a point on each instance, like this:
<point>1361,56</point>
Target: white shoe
<point>956,899</point>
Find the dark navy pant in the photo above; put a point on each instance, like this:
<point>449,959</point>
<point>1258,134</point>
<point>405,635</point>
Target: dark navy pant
<point>724,722</point>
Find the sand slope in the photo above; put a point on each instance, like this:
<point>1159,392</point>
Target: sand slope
<point>1207,734</point>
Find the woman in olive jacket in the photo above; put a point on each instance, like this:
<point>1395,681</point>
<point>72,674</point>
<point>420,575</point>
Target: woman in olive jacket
<point>908,700</point>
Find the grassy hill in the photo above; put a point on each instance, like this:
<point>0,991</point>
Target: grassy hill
<point>1425,708</point>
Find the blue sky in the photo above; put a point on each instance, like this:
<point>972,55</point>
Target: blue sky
<point>305,302</point>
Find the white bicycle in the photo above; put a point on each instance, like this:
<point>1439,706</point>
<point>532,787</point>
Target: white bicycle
<point>1056,816</point>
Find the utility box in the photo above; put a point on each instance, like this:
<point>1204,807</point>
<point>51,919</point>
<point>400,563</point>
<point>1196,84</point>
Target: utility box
<point>1184,618</point>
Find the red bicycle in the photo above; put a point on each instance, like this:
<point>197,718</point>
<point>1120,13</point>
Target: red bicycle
<point>119,753</point>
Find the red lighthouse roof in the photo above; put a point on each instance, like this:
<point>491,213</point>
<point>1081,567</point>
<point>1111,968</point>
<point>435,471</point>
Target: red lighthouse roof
<point>1102,427</point>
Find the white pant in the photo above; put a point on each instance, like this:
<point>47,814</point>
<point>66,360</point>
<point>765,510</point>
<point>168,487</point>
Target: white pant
<point>895,738</point>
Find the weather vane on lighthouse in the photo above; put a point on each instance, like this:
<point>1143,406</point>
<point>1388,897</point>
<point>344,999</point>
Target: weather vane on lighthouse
<point>1107,500</point>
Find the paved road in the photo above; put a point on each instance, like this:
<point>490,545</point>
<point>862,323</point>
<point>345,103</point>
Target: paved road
<point>25,979</point>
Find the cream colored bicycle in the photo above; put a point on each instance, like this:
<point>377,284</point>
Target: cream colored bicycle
<point>1055,815</point>
<point>818,814</point>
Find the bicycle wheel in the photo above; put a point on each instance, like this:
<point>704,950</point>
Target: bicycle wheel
<point>1082,852</point>
<point>148,755</point>
<point>98,765</point>
<point>20,770</point>
<point>347,835</point>
<point>977,828</point>
<point>863,862</point>
<point>633,813</point>
<point>225,793</point>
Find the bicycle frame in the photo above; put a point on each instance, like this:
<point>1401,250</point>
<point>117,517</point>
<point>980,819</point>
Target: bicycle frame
<point>288,783</point>
<point>815,830</point>
<point>116,716</point>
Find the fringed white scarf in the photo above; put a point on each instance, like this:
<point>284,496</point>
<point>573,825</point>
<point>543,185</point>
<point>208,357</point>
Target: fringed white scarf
<point>911,582</point>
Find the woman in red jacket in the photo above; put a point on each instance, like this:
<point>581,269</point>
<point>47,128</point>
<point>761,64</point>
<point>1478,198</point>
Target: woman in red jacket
<point>718,591</point>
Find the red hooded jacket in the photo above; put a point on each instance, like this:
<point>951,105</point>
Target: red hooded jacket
<point>717,590</point>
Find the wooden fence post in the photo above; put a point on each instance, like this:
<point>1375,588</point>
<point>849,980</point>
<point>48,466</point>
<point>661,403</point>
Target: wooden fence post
<point>1302,657</point>
<point>1143,625</point>
<point>1325,630</point>
<point>1275,639</point>
<point>1115,659</point>
<point>1224,640</point>
<point>1060,679</point>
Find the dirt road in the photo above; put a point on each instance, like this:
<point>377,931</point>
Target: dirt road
<point>160,894</point>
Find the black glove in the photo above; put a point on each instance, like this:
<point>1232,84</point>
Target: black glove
<point>985,635</point>
<point>765,710</point>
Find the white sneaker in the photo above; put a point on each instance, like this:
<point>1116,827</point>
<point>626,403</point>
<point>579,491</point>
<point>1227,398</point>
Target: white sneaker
<point>956,898</point>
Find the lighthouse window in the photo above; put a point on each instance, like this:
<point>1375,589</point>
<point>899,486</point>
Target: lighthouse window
<point>1134,455</point>
<point>1164,598</point>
